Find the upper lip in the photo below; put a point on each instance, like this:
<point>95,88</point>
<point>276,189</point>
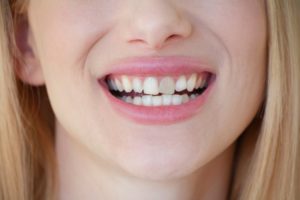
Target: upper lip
<point>159,66</point>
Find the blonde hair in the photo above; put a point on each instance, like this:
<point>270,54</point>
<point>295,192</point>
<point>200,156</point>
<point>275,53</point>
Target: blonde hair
<point>27,169</point>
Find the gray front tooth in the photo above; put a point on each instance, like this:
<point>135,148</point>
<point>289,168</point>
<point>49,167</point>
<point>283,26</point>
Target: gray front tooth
<point>167,86</point>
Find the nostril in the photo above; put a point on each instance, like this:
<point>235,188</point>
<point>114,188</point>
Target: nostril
<point>174,36</point>
<point>156,44</point>
<point>134,41</point>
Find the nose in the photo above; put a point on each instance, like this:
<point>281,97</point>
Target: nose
<point>155,23</point>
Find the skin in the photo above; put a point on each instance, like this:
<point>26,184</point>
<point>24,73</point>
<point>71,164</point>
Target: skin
<point>69,44</point>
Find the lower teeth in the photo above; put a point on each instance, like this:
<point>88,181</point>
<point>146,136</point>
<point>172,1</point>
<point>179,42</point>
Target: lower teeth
<point>162,100</point>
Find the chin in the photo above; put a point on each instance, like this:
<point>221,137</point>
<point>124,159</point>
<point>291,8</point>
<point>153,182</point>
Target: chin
<point>159,164</point>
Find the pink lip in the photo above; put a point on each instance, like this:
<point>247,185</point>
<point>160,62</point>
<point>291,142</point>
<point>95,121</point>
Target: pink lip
<point>173,65</point>
<point>157,66</point>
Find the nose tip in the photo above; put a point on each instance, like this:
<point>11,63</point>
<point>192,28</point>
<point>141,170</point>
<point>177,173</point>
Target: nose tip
<point>157,24</point>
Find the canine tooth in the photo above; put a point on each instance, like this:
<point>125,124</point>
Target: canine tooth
<point>151,86</point>
<point>126,84</point>
<point>167,86</point>
<point>185,98</point>
<point>166,100</point>
<point>137,85</point>
<point>147,100</point>
<point>176,99</point>
<point>157,100</point>
<point>128,99</point>
<point>181,84</point>
<point>137,101</point>
<point>119,85</point>
<point>191,83</point>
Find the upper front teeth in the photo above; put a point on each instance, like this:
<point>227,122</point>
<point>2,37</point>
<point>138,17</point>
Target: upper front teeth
<point>157,85</point>
<point>167,85</point>
<point>151,86</point>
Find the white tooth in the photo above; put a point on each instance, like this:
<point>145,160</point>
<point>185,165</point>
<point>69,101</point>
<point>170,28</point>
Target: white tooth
<point>137,85</point>
<point>128,99</point>
<point>203,83</point>
<point>123,98</point>
<point>199,82</point>
<point>176,99</point>
<point>191,83</point>
<point>193,96</point>
<point>167,86</point>
<point>157,100</point>
<point>151,86</point>
<point>147,100</point>
<point>111,84</point>
<point>115,88</point>
<point>181,84</point>
<point>126,84</point>
<point>119,85</point>
<point>166,100</point>
<point>137,101</point>
<point>185,98</point>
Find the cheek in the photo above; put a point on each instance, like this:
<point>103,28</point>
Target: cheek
<point>242,74</point>
<point>66,30</point>
<point>243,32</point>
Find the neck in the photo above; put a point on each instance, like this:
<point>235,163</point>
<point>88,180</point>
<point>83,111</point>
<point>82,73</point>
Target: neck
<point>82,176</point>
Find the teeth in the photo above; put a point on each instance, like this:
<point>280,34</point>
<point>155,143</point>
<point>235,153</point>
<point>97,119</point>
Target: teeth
<point>193,96</point>
<point>160,85</point>
<point>185,98</point>
<point>167,86</point>
<point>137,101</point>
<point>157,100</point>
<point>151,86</point>
<point>126,84</point>
<point>164,100</point>
<point>128,100</point>
<point>181,84</point>
<point>176,99</point>
<point>167,100</point>
<point>112,85</point>
<point>119,85</point>
<point>147,100</point>
<point>199,82</point>
<point>137,85</point>
<point>191,83</point>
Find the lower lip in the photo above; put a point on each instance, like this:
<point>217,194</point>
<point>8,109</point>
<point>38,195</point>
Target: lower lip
<point>160,115</point>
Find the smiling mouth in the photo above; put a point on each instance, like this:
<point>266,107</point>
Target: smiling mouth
<point>154,91</point>
<point>158,90</point>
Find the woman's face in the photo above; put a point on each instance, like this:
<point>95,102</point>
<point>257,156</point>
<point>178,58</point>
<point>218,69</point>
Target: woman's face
<point>151,46</point>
